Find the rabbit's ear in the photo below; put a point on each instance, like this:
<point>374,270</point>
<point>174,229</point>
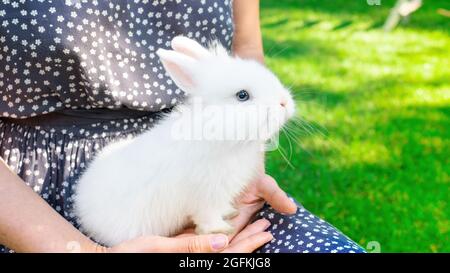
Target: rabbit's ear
<point>189,47</point>
<point>179,67</point>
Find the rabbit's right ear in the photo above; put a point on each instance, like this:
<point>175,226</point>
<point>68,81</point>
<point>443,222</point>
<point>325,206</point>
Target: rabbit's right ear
<point>179,67</point>
<point>189,47</point>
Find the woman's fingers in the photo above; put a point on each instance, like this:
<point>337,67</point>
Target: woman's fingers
<point>258,226</point>
<point>197,244</point>
<point>248,240</point>
<point>245,214</point>
<point>187,244</point>
<point>270,191</point>
<point>249,244</point>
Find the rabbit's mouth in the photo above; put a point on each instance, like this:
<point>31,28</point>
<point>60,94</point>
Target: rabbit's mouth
<point>275,118</point>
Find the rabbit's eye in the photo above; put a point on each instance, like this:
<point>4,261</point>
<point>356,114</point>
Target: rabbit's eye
<point>242,95</point>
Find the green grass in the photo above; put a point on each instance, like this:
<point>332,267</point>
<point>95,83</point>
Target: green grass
<point>375,162</point>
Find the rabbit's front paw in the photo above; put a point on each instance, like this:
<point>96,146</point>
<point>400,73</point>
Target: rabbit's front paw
<point>214,227</point>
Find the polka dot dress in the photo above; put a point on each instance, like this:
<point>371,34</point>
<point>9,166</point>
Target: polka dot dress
<point>87,55</point>
<point>58,54</point>
<point>304,233</point>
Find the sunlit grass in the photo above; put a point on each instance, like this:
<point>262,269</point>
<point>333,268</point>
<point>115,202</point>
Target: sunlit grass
<point>374,161</point>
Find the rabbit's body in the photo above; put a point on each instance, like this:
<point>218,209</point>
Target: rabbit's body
<point>153,184</point>
<point>159,181</point>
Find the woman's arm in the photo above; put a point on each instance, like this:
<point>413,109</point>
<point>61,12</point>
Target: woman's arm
<point>29,224</point>
<point>247,41</point>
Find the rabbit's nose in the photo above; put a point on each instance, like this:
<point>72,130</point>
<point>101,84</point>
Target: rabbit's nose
<point>283,103</point>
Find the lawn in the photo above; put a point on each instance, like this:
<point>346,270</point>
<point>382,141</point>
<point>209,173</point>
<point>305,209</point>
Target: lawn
<point>373,155</point>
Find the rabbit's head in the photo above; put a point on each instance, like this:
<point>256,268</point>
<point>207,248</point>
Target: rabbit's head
<point>240,87</point>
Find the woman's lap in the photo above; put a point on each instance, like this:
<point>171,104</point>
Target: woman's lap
<point>304,232</point>
<point>51,160</point>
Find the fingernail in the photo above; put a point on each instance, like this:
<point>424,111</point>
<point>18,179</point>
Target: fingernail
<point>266,224</point>
<point>219,241</point>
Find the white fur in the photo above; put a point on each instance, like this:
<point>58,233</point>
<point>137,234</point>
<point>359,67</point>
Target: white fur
<point>155,184</point>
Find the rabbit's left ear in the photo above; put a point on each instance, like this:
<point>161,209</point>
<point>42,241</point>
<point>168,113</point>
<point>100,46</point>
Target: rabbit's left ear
<point>180,68</point>
<point>189,47</point>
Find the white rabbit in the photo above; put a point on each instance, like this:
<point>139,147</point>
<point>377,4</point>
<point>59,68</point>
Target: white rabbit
<point>159,182</point>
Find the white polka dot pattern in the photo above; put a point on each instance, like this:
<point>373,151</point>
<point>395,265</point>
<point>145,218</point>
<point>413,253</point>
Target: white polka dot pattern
<point>304,232</point>
<point>84,54</point>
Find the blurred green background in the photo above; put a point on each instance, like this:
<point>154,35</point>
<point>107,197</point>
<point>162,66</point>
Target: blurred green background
<point>372,154</point>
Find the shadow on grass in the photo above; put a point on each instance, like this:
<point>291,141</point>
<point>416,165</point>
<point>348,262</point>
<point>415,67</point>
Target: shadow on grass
<point>309,23</point>
<point>287,49</point>
<point>376,25</point>
<point>275,24</point>
<point>329,98</point>
<point>326,98</point>
<point>343,24</point>
<point>425,18</point>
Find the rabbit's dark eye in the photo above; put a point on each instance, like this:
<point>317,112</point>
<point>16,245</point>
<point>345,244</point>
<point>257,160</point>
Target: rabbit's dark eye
<point>242,95</point>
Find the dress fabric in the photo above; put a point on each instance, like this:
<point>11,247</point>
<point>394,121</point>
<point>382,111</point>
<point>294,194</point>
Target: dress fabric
<point>84,54</point>
<point>89,55</point>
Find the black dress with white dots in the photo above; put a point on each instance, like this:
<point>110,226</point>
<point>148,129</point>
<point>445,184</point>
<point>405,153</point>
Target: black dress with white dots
<point>78,74</point>
<point>97,54</point>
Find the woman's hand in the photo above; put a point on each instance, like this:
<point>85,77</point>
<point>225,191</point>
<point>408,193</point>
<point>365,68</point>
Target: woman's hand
<point>264,189</point>
<point>246,241</point>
